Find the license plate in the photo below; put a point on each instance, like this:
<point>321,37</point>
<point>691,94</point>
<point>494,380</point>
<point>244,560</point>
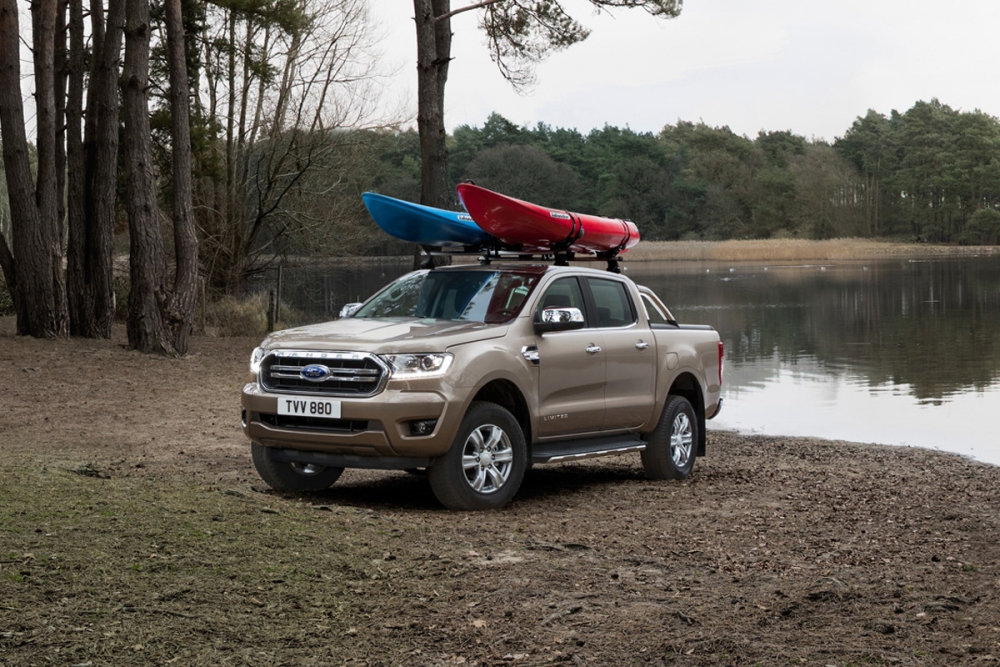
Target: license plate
<point>323,408</point>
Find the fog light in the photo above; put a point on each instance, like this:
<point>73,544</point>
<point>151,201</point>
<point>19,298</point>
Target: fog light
<point>243,418</point>
<point>423,426</point>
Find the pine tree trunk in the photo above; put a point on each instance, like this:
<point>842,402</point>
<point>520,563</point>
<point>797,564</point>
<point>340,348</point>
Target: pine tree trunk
<point>181,305</point>
<point>91,270</point>
<point>433,56</point>
<point>147,266</point>
<point>76,183</point>
<point>35,252</point>
<point>61,77</point>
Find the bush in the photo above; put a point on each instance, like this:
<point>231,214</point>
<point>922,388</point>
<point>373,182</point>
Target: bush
<point>983,228</point>
<point>230,317</point>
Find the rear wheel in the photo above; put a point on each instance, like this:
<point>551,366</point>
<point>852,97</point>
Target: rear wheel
<point>485,465</point>
<point>670,448</point>
<point>297,477</point>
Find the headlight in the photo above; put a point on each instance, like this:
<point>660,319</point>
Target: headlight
<point>256,357</point>
<point>419,365</point>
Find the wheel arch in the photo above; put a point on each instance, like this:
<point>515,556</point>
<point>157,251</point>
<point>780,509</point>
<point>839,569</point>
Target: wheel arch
<point>508,395</point>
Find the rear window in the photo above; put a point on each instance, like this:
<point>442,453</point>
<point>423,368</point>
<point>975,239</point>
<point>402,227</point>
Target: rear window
<point>614,308</point>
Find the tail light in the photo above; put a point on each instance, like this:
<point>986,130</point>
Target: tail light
<point>720,363</point>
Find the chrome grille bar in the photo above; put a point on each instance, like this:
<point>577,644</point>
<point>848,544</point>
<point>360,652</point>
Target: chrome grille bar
<point>332,378</point>
<point>351,373</point>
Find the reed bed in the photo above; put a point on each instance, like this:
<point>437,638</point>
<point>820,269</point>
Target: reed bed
<point>795,250</point>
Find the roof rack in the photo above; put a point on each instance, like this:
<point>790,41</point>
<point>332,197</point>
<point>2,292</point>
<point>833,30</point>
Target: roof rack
<point>487,255</point>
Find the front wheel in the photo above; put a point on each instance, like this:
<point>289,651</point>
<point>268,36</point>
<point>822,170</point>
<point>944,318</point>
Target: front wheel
<point>294,477</point>
<point>670,448</point>
<point>485,465</point>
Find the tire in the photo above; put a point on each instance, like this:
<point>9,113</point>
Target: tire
<point>295,477</point>
<point>485,465</point>
<point>670,448</point>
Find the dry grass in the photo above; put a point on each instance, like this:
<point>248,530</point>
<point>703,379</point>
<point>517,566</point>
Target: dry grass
<point>229,317</point>
<point>794,250</point>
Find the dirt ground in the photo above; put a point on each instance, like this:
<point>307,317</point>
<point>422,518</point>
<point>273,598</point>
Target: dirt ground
<point>134,531</point>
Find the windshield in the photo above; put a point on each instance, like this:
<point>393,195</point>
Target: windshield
<point>485,296</point>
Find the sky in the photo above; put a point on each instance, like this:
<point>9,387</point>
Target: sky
<point>808,66</point>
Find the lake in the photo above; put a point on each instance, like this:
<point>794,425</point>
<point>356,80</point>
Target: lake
<point>898,352</point>
<point>901,352</point>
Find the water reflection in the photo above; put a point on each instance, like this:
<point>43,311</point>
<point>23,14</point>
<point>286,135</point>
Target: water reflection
<point>896,352</point>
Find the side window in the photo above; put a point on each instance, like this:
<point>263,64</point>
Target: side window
<point>563,293</point>
<point>614,308</point>
<point>653,312</point>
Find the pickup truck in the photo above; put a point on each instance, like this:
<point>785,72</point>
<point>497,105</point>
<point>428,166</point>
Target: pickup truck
<point>475,373</point>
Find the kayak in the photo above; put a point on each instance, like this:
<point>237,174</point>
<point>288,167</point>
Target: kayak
<point>541,229</point>
<point>423,224</point>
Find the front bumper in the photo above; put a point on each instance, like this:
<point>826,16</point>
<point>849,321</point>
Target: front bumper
<point>375,426</point>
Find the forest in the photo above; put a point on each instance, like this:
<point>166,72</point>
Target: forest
<point>203,143</point>
<point>918,175</point>
<point>922,174</point>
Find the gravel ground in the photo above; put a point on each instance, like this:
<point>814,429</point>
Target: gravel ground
<point>134,531</point>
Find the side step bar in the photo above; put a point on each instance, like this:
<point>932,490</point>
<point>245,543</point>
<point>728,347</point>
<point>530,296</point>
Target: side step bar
<point>569,450</point>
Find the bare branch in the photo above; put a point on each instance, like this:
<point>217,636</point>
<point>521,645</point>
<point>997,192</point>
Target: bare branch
<point>462,10</point>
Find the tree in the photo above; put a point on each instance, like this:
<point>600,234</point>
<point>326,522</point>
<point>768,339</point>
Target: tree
<point>519,33</point>
<point>147,266</point>
<point>289,79</point>
<point>93,168</point>
<point>525,172</point>
<point>160,318</point>
<point>180,305</point>
<point>81,300</point>
<point>32,264</point>
<point>983,228</point>
<point>824,204</point>
<point>870,145</point>
<point>927,170</point>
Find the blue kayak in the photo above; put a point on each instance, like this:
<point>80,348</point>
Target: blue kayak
<point>423,224</point>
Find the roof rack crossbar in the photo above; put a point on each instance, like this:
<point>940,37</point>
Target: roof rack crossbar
<point>487,255</point>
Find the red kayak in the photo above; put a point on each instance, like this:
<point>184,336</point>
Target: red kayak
<point>541,229</point>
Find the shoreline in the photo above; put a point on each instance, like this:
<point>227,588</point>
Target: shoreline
<point>750,250</point>
<point>746,435</point>
<point>797,250</point>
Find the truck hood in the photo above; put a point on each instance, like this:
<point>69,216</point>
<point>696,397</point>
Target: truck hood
<point>384,335</point>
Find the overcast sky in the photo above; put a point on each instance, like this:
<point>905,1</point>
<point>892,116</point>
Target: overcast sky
<point>809,66</point>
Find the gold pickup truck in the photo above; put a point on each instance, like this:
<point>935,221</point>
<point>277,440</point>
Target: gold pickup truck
<point>474,373</point>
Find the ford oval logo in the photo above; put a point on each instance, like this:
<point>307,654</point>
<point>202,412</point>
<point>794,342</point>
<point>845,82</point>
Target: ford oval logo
<point>315,373</point>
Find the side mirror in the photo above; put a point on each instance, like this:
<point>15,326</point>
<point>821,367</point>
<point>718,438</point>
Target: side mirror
<point>559,319</point>
<point>349,309</point>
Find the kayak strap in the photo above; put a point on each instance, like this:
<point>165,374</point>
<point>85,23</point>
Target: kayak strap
<point>612,254</point>
<point>575,234</point>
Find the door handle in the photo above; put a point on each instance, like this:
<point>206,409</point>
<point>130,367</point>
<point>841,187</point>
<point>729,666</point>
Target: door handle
<point>593,349</point>
<point>641,345</point>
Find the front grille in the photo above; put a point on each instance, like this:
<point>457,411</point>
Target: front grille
<point>341,373</point>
